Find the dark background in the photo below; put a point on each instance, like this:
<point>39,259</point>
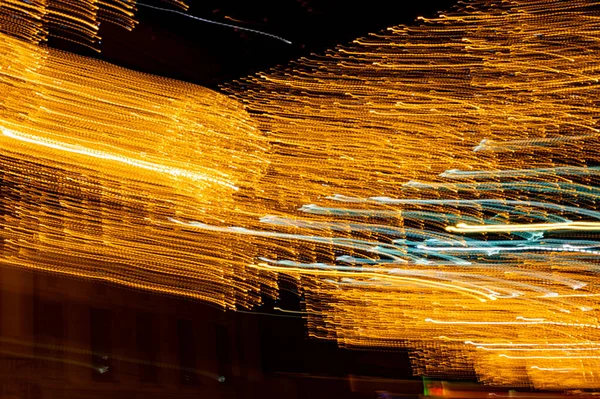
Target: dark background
<point>172,45</point>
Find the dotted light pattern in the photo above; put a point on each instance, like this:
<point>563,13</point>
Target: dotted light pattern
<point>97,159</point>
<point>73,20</point>
<point>446,179</point>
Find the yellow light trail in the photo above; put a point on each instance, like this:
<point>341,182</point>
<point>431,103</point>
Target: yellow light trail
<point>508,228</point>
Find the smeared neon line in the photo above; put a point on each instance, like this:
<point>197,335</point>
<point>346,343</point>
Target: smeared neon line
<point>209,21</point>
<point>515,145</point>
<point>80,150</point>
<point>485,174</point>
<point>498,249</point>
<point>559,370</point>
<point>554,323</point>
<point>572,189</point>
<point>508,228</point>
<point>473,203</point>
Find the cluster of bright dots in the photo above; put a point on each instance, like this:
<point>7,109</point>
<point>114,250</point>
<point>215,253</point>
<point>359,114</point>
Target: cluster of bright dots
<point>429,187</point>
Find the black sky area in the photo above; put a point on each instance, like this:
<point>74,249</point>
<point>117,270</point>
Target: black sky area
<point>172,45</point>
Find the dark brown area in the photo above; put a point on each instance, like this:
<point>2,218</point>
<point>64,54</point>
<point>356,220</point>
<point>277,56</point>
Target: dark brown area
<point>62,337</point>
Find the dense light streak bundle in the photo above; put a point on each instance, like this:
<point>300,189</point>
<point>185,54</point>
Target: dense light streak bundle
<point>74,20</point>
<point>96,161</point>
<point>451,171</point>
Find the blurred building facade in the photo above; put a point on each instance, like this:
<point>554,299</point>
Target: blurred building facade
<point>63,337</point>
